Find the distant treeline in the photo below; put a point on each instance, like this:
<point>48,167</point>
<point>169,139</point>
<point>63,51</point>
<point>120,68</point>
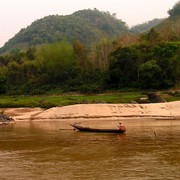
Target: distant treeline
<point>146,61</point>
<point>62,67</point>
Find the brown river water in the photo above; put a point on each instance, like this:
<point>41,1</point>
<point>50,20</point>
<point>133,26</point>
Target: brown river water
<point>41,151</point>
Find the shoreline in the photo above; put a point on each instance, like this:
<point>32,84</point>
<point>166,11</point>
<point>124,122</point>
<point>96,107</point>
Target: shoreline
<point>102,115</point>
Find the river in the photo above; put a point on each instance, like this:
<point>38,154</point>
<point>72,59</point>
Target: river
<point>40,151</point>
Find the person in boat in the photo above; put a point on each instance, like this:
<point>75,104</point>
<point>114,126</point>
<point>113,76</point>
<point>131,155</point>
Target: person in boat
<point>120,127</point>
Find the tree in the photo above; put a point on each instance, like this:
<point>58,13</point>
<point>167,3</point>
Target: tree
<point>14,74</point>
<point>152,36</point>
<point>3,80</point>
<point>80,55</point>
<point>103,49</point>
<point>56,62</point>
<point>168,58</point>
<point>30,53</point>
<point>123,67</point>
<point>175,11</point>
<point>3,61</point>
<point>150,75</point>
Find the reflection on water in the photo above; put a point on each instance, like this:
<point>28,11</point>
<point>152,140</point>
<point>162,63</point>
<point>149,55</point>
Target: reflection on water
<point>42,151</point>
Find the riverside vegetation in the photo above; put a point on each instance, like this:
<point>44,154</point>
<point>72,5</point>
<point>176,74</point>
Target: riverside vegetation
<point>123,60</point>
<point>48,101</point>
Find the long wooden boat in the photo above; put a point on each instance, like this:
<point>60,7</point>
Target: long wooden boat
<point>87,129</point>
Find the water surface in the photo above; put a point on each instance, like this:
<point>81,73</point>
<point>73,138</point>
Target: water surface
<point>42,151</point>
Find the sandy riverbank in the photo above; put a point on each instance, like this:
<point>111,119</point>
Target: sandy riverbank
<point>103,114</point>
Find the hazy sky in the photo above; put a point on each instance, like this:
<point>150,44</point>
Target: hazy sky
<point>17,14</point>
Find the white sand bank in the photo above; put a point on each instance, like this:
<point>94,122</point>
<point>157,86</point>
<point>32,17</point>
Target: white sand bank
<point>103,114</point>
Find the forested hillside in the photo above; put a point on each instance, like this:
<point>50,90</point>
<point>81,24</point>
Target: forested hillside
<point>87,26</point>
<point>150,60</point>
<point>169,29</point>
<point>144,27</point>
<point>65,67</point>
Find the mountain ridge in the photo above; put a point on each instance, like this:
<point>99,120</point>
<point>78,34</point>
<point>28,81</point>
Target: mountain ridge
<point>86,26</point>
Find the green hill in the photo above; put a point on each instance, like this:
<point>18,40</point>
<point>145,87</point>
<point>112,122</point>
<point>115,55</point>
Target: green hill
<point>86,26</point>
<point>144,27</point>
<point>169,29</point>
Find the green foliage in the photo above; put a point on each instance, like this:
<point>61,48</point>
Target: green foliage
<point>87,26</point>
<point>175,11</point>
<point>145,27</point>
<point>3,80</point>
<point>90,89</point>
<point>3,61</point>
<point>75,65</point>
<point>30,54</point>
<point>168,58</point>
<point>63,100</point>
<point>148,66</point>
<point>14,74</point>
<point>56,61</point>
<point>166,50</point>
<point>169,29</point>
<point>153,36</point>
<point>67,67</point>
<point>150,75</point>
<point>123,68</point>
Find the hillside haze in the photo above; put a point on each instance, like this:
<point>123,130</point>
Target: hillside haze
<point>144,27</point>
<point>169,29</point>
<point>86,26</point>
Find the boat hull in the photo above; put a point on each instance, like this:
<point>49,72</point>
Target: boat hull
<point>87,129</point>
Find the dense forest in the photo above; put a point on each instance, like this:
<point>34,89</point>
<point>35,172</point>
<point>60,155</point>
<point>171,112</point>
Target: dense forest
<point>150,60</point>
<point>169,29</point>
<point>144,27</point>
<point>87,26</point>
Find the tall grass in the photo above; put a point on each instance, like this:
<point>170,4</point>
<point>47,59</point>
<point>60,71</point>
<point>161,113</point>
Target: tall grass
<point>64,100</point>
<point>48,101</point>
